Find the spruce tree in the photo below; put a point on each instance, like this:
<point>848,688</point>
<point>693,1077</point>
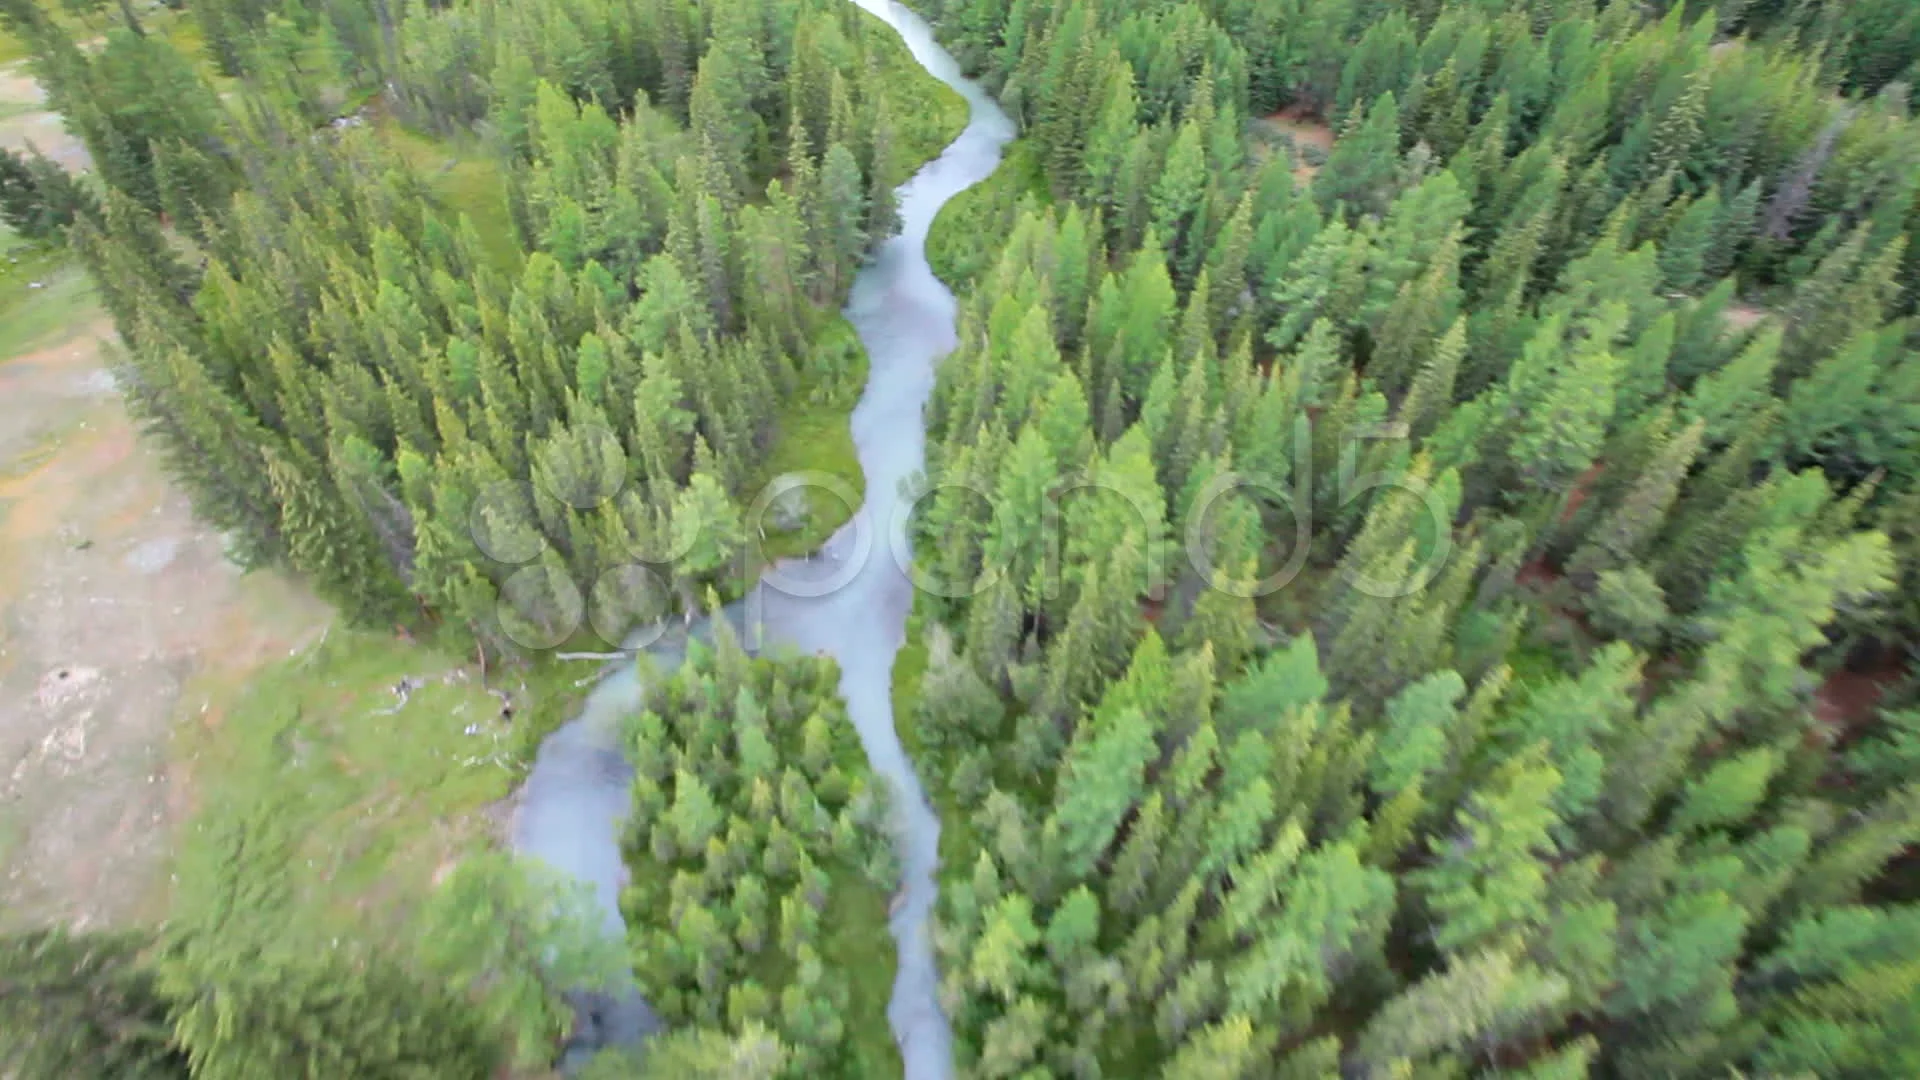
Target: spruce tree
<point>83,1006</point>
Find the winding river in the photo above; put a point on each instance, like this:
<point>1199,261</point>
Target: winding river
<point>850,600</point>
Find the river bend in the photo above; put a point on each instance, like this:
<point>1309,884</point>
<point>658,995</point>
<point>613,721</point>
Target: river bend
<point>850,600</point>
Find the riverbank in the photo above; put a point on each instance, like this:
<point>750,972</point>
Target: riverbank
<point>344,781</point>
<point>969,232</point>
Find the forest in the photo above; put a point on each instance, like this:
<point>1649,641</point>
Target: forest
<point>1380,605</point>
<point>748,781</point>
<point>1429,683</point>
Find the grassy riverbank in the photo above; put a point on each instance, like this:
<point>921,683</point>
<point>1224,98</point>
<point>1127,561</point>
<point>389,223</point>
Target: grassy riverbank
<point>927,114</point>
<point>973,226</point>
<point>325,795</point>
<point>814,434</point>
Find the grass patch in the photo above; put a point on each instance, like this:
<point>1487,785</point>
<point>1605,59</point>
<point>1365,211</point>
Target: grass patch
<point>909,667</point>
<point>815,435</point>
<point>182,31</point>
<point>323,806</point>
<point>31,316</point>
<point>959,844</point>
<point>1535,664</point>
<point>854,940</point>
<point>927,113</point>
<point>177,27</point>
<point>968,233</point>
<point>465,181</point>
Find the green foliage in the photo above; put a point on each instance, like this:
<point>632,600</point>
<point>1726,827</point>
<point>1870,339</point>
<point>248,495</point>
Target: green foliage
<point>1628,605</point>
<point>83,1006</point>
<point>758,865</point>
<point>38,199</point>
<point>318,799</point>
<point>1488,876</point>
<point>969,230</point>
<point>1172,844</point>
<point>1364,168</point>
<point>516,938</point>
<point>813,437</point>
<point>700,1054</point>
<point>276,1013</point>
<point>115,1005</point>
<point>1537,883</point>
<point>618,299</point>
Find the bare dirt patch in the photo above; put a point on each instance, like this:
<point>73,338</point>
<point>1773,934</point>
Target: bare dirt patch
<point>1849,699</point>
<point>18,87</point>
<point>26,124</point>
<point>1305,129</point>
<point>1743,317</point>
<point>112,600</point>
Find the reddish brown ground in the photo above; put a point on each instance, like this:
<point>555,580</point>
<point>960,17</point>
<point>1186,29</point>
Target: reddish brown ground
<point>1849,699</point>
<point>1745,316</point>
<point>1582,487</point>
<point>1306,129</point>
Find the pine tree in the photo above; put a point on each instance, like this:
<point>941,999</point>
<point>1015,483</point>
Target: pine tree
<point>1227,267</point>
<point>1227,1050</point>
<point>883,208</point>
<point>281,1012</point>
<point>1363,169</point>
<point>1678,134</point>
<point>38,199</point>
<point>519,941</point>
<point>1488,877</point>
<point>1627,530</point>
<point>1415,321</point>
<point>83,1005</point>
<point>1559,421</point>
<point>1728,793</point>
<point>1431,393</point>
<point>1724,400</point>
<point>1685,249</point>
<point>1480,998</point>
<point>843,217</point>
<point>754,1053</point>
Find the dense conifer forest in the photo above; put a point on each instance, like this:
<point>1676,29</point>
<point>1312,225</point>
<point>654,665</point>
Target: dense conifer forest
<point>756,837</point>
<point>1379,606</point>
<point>1428,685</point>
<point>444,426</point>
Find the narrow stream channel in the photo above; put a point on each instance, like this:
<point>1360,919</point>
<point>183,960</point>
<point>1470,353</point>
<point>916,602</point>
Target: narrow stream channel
<point>850,600</point>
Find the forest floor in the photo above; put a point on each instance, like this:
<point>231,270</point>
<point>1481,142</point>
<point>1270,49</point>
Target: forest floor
<point>1302,129</point>
<point>1742,317</point>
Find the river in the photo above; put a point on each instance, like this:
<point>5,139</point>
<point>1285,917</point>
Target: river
<point>850,600</point>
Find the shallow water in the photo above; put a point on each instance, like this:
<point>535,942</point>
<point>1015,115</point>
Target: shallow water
<point>849,601</point>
